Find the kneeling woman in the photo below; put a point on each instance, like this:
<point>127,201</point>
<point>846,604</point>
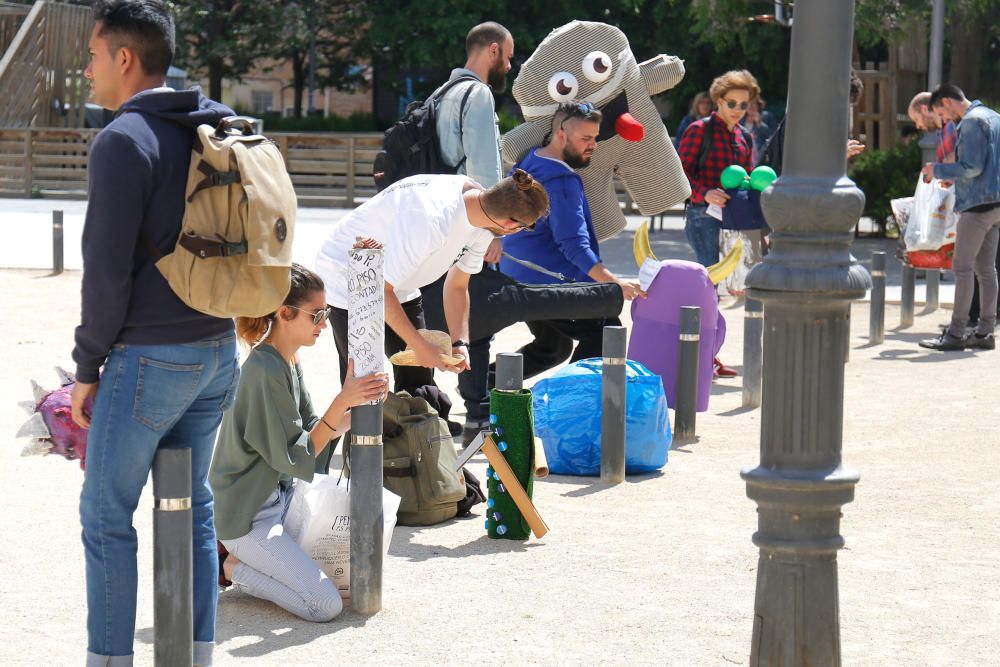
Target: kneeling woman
<point>270,436</point>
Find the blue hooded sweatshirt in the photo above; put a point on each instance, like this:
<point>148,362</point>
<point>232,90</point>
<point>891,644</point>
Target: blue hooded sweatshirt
<point>564,240</point>
<point>137,175</point>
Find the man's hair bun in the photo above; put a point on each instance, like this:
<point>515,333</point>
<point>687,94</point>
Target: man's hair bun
<point>523,179</point>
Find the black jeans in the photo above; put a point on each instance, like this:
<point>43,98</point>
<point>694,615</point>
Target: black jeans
<point>407,378</point>
<point>474,384</point>
<point>974,308</point>
<point>554,339</point>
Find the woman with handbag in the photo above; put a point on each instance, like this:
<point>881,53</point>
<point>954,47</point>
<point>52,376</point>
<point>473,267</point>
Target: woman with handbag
<point>270,436</point>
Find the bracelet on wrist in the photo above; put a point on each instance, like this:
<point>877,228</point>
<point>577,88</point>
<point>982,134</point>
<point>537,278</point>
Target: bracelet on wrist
<point>327,424</point>
<point>459,343</point>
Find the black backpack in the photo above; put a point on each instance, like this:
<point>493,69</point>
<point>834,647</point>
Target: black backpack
<point>411,145</point>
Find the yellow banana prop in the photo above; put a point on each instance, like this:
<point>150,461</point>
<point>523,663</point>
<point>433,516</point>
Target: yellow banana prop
<point>640,245</point>
<point>718,272</point>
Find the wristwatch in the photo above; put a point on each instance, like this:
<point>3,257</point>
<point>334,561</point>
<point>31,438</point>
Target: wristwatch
<point>459,343</point>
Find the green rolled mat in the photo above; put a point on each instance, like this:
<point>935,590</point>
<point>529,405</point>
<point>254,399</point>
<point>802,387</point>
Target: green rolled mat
<point>511,412</point>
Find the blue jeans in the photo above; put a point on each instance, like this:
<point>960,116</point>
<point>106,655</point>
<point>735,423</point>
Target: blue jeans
<point>702,232</point>
<point>150,396</point>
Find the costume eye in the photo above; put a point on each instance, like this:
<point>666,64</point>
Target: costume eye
<point>597,66</point>
<point>563,86</point>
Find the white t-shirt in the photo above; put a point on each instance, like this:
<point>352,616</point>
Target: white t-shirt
<point>423,224</point>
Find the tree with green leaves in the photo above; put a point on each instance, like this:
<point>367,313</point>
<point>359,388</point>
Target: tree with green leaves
<point>224,38</point>
<point>326,31</point>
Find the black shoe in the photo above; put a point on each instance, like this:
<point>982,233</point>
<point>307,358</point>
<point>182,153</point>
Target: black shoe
<point>945,343</point>
<point>969,328</point>
<point>981,341</point>
<point>454,428</point>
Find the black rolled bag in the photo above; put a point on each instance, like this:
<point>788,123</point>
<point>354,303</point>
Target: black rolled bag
<point>497,301</point>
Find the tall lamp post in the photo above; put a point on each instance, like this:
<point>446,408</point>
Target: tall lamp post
<point>806,283</point>
<point>930,140</point>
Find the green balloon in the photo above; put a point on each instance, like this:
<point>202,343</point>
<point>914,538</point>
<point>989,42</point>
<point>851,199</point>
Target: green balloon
<point>762,177</point>
<point>733,176</point>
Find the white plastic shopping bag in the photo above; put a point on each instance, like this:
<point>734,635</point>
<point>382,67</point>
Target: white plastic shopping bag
<point>932,220</point>
<point>319,521</point>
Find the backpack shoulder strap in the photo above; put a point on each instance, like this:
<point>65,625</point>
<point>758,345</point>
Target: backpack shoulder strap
<point>707,141</point>
<point>771,149</point>
<point>461,121</point>
<point>448,85</point>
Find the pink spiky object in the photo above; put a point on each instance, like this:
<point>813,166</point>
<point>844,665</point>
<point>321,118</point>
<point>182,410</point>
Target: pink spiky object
<point>51,426</point>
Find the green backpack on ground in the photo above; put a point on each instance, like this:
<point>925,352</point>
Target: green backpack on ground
<point>418,461</point>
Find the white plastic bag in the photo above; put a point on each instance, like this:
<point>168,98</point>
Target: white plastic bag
<point>932,219</point>
<point>735,282</point>
<point>319,521</point>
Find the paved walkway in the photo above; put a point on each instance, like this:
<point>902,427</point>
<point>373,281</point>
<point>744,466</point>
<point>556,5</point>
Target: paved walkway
<point>658,570</point>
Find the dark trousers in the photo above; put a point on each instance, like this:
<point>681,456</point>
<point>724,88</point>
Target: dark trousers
<point>407,378</point>
<point>554,340</point>
<point>974,308</point>
<point>474,384</point>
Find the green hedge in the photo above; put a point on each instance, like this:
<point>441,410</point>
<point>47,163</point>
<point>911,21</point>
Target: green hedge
<point>884,175</point>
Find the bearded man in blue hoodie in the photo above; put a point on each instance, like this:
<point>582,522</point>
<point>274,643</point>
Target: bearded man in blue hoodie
<point>564,243</point>
<point>168,371</point>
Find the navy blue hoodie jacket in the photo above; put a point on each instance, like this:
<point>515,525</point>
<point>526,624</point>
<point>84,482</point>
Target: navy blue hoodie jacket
<point>137,175</point>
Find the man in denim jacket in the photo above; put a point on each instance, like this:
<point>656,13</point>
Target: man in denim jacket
<point>976,174</point>
<point>471,142</point>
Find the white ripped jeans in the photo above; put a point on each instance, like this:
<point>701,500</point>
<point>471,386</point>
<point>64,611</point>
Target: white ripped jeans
<point>273,567</point>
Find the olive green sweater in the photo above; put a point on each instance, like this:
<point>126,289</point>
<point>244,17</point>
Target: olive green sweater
<point>264,440</point>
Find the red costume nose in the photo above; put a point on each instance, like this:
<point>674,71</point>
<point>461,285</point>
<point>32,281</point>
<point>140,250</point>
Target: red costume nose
<point>629,128</point>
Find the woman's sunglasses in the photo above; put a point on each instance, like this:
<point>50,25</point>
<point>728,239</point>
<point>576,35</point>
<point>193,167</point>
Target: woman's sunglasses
<point>732,104</point>
<point>318,317</point>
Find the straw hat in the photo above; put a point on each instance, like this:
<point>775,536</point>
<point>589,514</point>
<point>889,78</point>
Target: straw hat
<point>439,339</point>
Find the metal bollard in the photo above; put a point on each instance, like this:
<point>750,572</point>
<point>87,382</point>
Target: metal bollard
<point>57,242</point>
<point>687,372</point>
<point>613,390</point>
<point>932,300</point>
<point>173,559</point>
<point>510,371</point>
<point>876,325</point>
<point>906,300</point>
<point>753,352</point>
<point>366,342</point>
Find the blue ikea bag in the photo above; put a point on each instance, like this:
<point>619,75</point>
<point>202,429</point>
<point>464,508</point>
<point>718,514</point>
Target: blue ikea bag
<point>567,407</point>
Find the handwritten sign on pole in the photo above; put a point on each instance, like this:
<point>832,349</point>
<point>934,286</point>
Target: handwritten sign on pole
<point>366,310</point>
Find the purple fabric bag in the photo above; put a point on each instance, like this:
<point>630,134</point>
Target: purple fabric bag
<point>656,320</point>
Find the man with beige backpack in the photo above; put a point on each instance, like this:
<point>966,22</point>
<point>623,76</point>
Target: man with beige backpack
<point>163,276</point>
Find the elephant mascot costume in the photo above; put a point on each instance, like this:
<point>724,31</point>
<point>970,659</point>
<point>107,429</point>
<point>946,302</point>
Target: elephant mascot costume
<point>592,62</point>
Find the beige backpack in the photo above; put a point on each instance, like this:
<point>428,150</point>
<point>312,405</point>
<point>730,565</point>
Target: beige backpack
<point>234,253</point>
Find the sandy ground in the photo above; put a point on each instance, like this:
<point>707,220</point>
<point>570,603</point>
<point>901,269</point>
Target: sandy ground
<point>659,569</point>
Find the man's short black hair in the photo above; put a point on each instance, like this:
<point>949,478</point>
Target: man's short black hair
<point>946,90</point>
<point>144,26</point>
<point>484,34</point>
